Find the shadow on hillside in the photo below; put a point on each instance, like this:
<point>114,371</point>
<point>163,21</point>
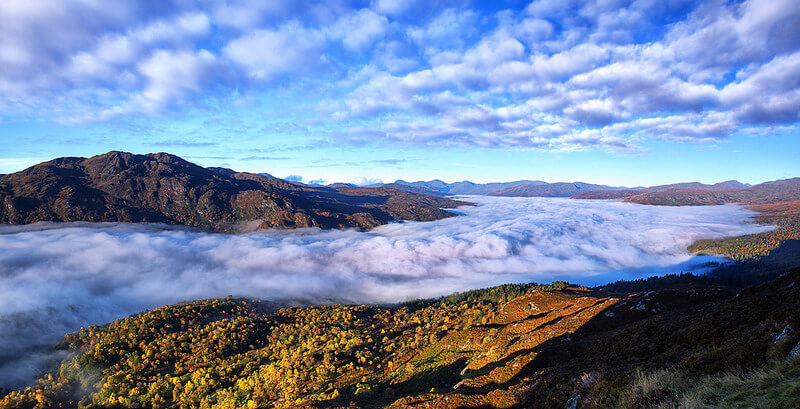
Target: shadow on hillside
<point>704,323</point>
<point>733,332</point>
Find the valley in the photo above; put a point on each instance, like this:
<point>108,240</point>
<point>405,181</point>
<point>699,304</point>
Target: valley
<point>648,335</point>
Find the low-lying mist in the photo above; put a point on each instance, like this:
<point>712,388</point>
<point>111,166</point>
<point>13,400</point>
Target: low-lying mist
<point>55,278</point>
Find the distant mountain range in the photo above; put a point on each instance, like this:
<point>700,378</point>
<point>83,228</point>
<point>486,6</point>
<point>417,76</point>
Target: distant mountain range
<point>461,188</point>
<point>697,194</point>
<point>560,189</point>
<point>159,187</point>
<point>525,188</point>
<point>676,194</point>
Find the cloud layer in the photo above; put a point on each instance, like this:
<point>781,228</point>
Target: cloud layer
<point>55,278</point>
<point>571,74</point>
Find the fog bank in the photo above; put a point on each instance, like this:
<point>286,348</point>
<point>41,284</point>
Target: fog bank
<point>55,278</point>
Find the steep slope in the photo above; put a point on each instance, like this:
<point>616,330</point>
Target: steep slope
<point>124,187</point>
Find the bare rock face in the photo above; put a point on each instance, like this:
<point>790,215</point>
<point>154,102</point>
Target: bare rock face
<point>159,187</point>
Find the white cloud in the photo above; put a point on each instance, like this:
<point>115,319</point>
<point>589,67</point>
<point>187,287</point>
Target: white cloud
<point>366,181</point>
<point>769,94</point>
<point>246,14</point>
<point>578,67</point>
<point>184,26</point>
<point>361,29</point>
<point>265,54</point>
<point>36,35</point>
<point>545,68</point>
<point>172,77</point>
<point>533,30</point>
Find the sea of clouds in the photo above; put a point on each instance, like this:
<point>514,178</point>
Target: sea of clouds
<point>55,278</point>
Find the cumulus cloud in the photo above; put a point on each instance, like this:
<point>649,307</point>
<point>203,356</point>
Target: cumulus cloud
<point>174,76</point>
<point>55,278</point>
<point>366,181</point>
<point>607,69</point>
<point>265,54</point>
<point>361,29</point>
<point>566,69</point>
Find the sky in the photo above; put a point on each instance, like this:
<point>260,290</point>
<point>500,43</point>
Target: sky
<point>618,92</point>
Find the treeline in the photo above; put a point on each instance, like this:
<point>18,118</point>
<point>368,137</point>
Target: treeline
<point>499,294</point>
<point>656,283</point>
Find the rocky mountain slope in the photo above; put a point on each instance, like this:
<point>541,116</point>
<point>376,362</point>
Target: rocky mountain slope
<point>163,188</point>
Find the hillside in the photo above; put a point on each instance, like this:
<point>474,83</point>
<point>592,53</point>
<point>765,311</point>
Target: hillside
<point>163,188</point>
<point>513,345</point>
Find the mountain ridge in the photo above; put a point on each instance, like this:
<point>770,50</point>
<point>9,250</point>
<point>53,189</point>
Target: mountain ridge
<point>160,187</point>
<point>538,188</point>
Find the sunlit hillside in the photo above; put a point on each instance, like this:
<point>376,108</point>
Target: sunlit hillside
<point>544,346</point>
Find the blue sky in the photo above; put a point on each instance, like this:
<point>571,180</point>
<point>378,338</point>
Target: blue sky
<point>618,92</point>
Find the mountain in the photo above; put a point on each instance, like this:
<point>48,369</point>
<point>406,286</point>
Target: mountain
<point>414,189</point>
<point>696,194</point>
<point>341,185</point>
<point>159,187</point>
<point>607,194</point>
<point>538,188</point>
<point>727,185</point>
<point>222,171</point>
<point>731,184</point>
<point>674,341</point>
<point>441,188</point>
<point>469,188</point>
<point>551,190</point>
<point>523,188</point>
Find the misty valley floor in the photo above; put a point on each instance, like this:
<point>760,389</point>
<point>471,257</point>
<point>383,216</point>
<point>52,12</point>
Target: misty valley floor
<point>60,277</point>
